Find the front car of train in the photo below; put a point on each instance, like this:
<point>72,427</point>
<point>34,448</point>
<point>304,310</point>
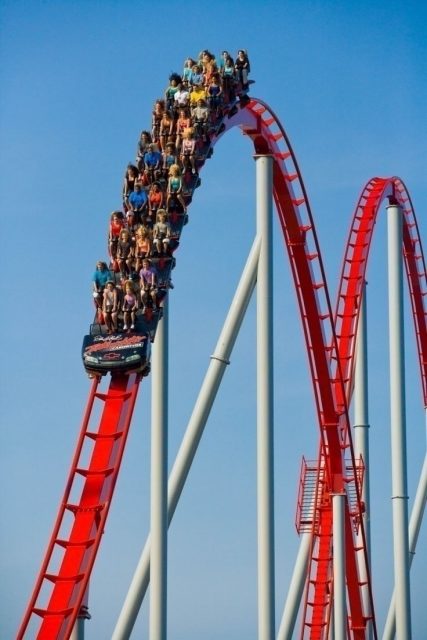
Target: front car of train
<point>108,353</point>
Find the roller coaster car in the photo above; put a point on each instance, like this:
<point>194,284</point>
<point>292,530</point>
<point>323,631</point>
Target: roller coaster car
<point>118,352</point>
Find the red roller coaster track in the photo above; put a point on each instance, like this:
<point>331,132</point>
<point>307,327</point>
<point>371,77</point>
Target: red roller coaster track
<point>330,342</point>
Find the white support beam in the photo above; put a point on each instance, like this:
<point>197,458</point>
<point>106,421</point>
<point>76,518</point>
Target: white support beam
<point>339,608</point>
<point>159,479</point>
<point>78,632</point>
<point>265,439</point>
<point>296,590</point>
<point>211,383</point>
<point>398,424</point>
<point>361,443</point>
<point>417,515</point>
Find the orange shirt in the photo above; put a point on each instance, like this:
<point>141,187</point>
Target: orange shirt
<point>115,228</point>
<point>155,198</point>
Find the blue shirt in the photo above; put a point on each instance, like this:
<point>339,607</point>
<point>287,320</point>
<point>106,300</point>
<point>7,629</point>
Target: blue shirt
<point>187,74</point>
<point>137,199</point>
<point>101,278</point>
<point>197,78</point>
<point>151,158</point>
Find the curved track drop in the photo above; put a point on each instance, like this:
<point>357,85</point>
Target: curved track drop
<point>355,264</point>
<point>331,367</point>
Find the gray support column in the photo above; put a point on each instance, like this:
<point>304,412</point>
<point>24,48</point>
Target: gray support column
<point>193,434</point>
<point>361,408</point>
<point>414,530</point>
<point>296,590</point>
<point>265,445</point>
<point>340,617</point>
<point>361,440</point>
<point>78,632</point>
<point>398,424</point>
<point>159,478</point>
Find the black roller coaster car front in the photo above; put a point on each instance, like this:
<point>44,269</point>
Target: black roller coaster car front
<point>117,352</point>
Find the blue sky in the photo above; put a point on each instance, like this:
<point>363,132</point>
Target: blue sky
<point>78,80</point>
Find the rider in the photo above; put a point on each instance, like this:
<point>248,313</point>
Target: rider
<point>110,306</point>
<point>200,116</point>
<point>242,68</point>
<point>100,278</point>
<point>138,200</point>
<point>161,232</point>
<point>188,149</point>
<point>130,306</point>
<point>148,277</point>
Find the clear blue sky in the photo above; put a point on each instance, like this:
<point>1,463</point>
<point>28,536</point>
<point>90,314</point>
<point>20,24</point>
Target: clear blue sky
<point>77,80</point>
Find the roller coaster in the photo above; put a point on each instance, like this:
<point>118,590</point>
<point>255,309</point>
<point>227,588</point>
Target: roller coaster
<point>333,343</point>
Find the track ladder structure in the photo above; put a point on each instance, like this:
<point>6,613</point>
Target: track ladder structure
<point>64,576</point>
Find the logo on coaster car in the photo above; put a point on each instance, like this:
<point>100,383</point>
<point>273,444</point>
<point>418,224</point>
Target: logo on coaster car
<point>111,355</point>
<point>118,342</point>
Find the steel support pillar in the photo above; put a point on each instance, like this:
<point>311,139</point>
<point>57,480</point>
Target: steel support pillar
<point>361,408</point>
<point>361,440</point>
<point>265,444</point>
<point>398,424</point>
<point>340,616</point>
<point>78,632</point>
<point>159,477</point>
<point>414,530</point>
<point>296,590</point>
<point>218,364</point>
